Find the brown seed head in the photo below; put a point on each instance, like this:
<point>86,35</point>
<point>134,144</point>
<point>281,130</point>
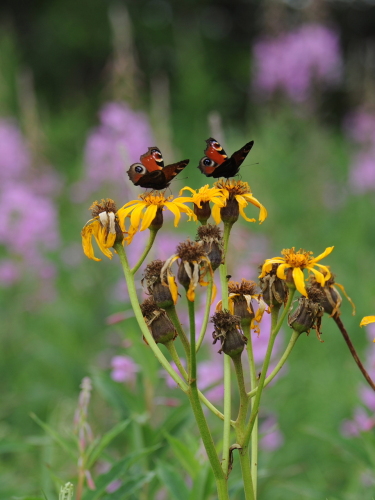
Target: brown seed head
<point>106,205</point>
<point>190,251</point>
<point>246,287</point>
<point>209,233</point>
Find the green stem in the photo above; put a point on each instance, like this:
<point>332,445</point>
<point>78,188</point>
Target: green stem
<point>275,327</point>
<point>280,364</point>
<point>254,434</point>
<point>246,474</point>
<point>148,247</point>
<point>199,415</point>
<point>227,372</point>
<point>206,312</point>
<point>172,314</point>
<point>244,398</point>
<point>141,322</point>
<point>240,428</point>
<point>174,355</point>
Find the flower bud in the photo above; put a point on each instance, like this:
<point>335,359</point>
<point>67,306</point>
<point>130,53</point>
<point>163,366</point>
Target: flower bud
<point>158,220</point>
<point>274,290</point>
<point>308,313</point>
<point>240,295</point>
<point>204,212</point>
<point>160,326</point>
<point>212,244</point>
<point>228,331</point>
<point>160,292</point>
<point>231,211</point>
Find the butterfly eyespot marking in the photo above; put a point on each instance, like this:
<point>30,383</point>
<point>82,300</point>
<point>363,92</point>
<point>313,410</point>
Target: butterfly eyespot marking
<point>207,162</point>
<point>138,169</point>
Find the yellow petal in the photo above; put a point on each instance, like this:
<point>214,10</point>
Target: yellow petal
<point>281,271</point>
<point>320,278</point>
<point>101,239</point>
<point>347,296</point>
<point>149,216</point>
<point>244,215</point>
<point>325,269</point>
<point>326,252</point>
<point>187,188</point>
<point>87,234</point>
<point>174,209</point>
<point>299,280</point>
<point>136,215</point>
<point>263,212</point>
<point>216,214</point>
<point>367,320</point>
<point>173,288</point>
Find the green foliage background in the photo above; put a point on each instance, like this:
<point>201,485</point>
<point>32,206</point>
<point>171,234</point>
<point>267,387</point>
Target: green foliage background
<point>46,351</point>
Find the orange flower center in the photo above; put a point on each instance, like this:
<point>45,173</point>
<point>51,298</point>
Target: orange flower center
<point>301,258</point>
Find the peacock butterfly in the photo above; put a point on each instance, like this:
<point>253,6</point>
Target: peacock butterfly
<point>216,162</point>
<point>151,172</point>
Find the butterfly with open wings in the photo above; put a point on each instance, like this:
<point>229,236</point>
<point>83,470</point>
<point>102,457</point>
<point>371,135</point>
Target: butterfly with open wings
<point>151,172</point>
<point>216,162</point>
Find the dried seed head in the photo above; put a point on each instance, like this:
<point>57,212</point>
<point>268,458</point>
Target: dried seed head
<point>307,315</point>
<point>246,287</point>
<point>228,331</point>
<point>160,292</point>
<point>274,290</point>
<point>212,243</point>
<point>330,298</point>
<point>158,322</point>
<point>190,251</point>
<point>107,205</point>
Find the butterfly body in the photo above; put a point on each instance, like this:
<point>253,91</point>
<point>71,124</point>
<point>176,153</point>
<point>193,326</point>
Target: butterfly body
<point>217,164</point>
<point>151,172</point>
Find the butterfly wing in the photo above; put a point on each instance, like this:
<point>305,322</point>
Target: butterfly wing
<point>157,179</point>
<point>231,166</point>
<point>215,155</point>
<point>153,159</point>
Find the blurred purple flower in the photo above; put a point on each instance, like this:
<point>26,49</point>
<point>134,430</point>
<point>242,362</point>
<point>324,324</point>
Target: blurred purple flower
<point>124,369</point>
<point>122,136</point>
<point>168,379</point>
<point>14,154</point>
<point>360,423</point>
<point>294,61</point>
<point>362,171</point>
<point>272,437</point>
<point>210,374</point>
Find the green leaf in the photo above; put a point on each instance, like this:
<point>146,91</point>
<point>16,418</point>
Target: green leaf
<point>169,476</point>
<point>118,395</point>
<point>63,443</point>
<point>130,486</point>
<point>184,455</point>
<point>203,483</point>
<point>93,454</point>
<point>116,472</point>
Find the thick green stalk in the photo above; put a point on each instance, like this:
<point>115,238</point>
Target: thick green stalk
<point>174,355</point>
<point>275,327</point>
<point>227,372</point>
<point>255,433</point>
<point>172,314</point>
<point>206,312</point>
<point>141,322</point>
<point>280,364</point>
<point>148,247</point>
<point>205,433</point>
<point>246,474</point>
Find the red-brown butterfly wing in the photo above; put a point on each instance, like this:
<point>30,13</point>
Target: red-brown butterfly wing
<point>153,159</point>
<point>215,152</point>
<point>231,166</point>
<point>157,179</point>
<point>170,171</point>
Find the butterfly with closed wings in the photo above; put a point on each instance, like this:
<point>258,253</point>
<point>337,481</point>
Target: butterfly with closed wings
<point>151,172</point>
<point>216,162</point>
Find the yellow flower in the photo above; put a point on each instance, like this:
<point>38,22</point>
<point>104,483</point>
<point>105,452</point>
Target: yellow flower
<point>237,195</point>
<point>367,320</point>
<point>202,199</point>
<point>148,211</point>
<point>298,261</point>
<point>103,227</point>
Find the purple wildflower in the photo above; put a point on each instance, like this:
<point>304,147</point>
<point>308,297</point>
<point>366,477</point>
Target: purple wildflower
<point>14,154</point>
<point>294,61</point>
<point>124,369</point>
<point>272,437</point>
<point>122,136</point>
<point>210,376</point>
